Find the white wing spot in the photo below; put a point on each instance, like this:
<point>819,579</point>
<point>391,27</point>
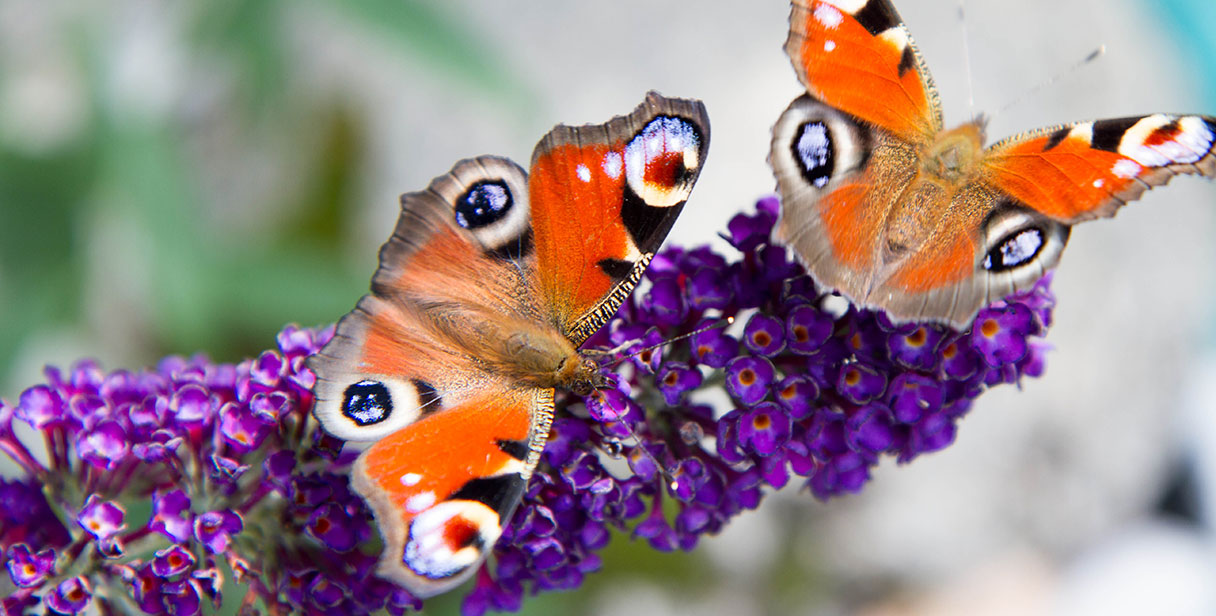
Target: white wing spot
<point>1135,144</point>
<point>897,36</point>
<point>612,165</point>
<point>583,172</point>
<point>829,45</point>
<point>1125,169</point>
<point>420,502</point>
<point>410,479</point>
<point>828,16</point>
<point>1196,136</point>
<point>1099,183</point>
<point>849,6</point>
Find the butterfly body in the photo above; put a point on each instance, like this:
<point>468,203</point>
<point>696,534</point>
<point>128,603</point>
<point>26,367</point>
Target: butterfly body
<point>883,205</point>
<point>492,280</point>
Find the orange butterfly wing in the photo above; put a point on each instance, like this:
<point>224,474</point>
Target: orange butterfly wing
<point>857,56</point>
<point>1087,170</point>
<point>603,197</point>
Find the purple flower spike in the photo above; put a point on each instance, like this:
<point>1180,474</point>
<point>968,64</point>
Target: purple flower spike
<point>861,383</point>
<point>748,378</point>
<point>215,529</point>
<point>102,519</point>
<point>171,515</point>
<point>29,570</point>
<point>807,328</point>
<point>999,334</point>
<point>764,429</point>
<point>821,398</point>
<point>71,596</point>
<point>172,562</point>
<point>676,378</point>
<point>764,335</point>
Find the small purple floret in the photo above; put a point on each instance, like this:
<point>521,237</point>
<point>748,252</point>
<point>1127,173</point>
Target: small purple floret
<point>216,528</point>
<point>27,569</point>
<point>102,519</point>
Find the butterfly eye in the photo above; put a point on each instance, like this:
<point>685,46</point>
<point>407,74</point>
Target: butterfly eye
<point>815,144</point>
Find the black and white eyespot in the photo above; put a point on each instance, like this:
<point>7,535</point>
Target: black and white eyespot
<point>489,198</point>
<point>1017,238</point>
<point>446,540</point>
<point>367,407</point>
<point>813,148</point>
<point>814,144</point>
<point>484,204</point>
<point>662,161</point>
<point>367,403</point>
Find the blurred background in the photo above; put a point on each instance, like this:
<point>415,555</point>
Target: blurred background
<point>190,176</point>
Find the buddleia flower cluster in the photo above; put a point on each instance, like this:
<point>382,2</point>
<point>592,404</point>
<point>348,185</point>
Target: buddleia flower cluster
<point>199,484</point>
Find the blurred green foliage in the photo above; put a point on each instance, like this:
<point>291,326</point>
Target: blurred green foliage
<point>207,284</point>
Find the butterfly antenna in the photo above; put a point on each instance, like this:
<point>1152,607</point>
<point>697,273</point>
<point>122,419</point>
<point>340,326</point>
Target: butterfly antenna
<point>1093,55</point>
<point>662,469</point>
<point>724,322</point>
<point>962,17</point>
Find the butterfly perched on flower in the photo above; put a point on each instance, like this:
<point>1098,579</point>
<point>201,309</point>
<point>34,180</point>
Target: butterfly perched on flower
<point>491,281</point>
<point>885,205</point>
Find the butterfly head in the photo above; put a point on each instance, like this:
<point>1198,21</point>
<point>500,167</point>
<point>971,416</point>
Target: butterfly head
<point>584,376</point>
<point>956,154</point>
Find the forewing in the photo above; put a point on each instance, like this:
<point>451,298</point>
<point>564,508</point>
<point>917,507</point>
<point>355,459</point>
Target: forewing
<point>1087,170</point>
<point>603,197</point>
<point>857,56</point>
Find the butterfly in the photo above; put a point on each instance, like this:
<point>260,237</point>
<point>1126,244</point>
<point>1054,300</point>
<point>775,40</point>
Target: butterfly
<point>883,204</point>
<point>491,281</point>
